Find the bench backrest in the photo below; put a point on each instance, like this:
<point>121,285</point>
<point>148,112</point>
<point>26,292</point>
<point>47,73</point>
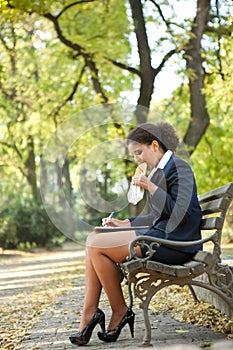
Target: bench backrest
<point>214,205</point>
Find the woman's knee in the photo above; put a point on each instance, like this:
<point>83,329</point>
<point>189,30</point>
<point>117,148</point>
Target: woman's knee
<point>91,239</point>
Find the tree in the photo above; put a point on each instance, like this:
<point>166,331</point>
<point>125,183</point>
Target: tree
<point>57,60</point>
<point>34,101</point>
<point>191,48</point>
<point>185,40</point>
<point>15,106</point>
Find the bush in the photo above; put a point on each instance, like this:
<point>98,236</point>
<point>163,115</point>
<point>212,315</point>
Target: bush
<point>34,227</point>
<point>28,226</point>
<point>8,238</point>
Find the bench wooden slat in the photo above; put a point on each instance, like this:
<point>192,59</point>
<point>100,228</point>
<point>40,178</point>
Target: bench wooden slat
<point>154,266</point>
<point>181,270</point>
<point>212,223</point>
<point>224,191</point>
<point>159,267</point>
<point>197,268</point>
<point>133,265</point>
<point>176,270</point>
<point>169,270</point>
<point>215,206</point>
<point>204,257</point>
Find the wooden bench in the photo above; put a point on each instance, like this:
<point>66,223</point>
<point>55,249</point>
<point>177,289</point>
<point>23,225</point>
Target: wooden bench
<point>147,277</point>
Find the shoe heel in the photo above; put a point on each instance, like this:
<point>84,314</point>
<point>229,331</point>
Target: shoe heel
<point>102,323</point>
<point>131,325</point>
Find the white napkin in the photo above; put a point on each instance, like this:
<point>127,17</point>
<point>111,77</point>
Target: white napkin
<point>136,193</point>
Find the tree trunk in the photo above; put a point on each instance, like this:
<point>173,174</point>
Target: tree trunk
<point>30,165</point>
<point>199,120</point>
<point>147,72</point>
<point>67,180</point>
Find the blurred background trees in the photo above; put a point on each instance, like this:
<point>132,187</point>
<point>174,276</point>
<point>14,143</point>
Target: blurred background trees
<point>61,57</point>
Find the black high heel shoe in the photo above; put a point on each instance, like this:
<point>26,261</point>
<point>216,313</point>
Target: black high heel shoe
<point>112,335</point>
<point>83,337</point>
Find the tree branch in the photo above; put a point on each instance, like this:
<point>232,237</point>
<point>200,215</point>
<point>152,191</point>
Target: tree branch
<point>167,23</point>
<point>95,80</point>
<point>70,97</point>
<point>164,60</point>
<point>60,35</point>
<point>81,51</point>
<point>11,146</point>
<point>124,66</point>
<point>71,5</point>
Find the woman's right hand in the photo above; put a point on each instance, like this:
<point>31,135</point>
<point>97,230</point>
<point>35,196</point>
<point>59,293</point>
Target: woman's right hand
<point>143,182</point>
<point>112,222</point>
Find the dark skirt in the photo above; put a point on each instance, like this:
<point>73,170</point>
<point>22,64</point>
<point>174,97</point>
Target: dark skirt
<point>168,256</point>
<point>165,254</point>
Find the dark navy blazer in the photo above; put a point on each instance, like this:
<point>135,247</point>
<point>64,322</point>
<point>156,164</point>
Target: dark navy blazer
<point>175,213</point>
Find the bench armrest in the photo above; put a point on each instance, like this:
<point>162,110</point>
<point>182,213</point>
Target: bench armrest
<point>156,242</point>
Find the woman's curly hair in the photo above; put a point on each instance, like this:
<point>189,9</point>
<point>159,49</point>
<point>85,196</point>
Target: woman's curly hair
<point>163,133</point>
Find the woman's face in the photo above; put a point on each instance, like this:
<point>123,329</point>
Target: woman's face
<point>151,154</point>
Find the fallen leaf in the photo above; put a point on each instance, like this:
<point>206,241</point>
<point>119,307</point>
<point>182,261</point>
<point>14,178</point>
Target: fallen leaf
<point>182,331</point>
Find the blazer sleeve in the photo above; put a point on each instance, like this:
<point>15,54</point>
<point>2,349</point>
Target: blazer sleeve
<point>144,220</point>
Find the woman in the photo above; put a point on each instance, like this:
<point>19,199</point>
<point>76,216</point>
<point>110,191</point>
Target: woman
<point>175,214</point>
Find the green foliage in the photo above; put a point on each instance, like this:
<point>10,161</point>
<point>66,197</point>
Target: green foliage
<point>44,81</point>
<point>27,226</point>
<point>213,156</point>
<point>8,234</point>
<point>34,227</point>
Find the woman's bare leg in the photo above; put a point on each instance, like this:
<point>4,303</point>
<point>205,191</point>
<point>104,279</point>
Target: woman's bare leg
<point>108,274</point>
<point>92,293</point>
<point>104,254</point>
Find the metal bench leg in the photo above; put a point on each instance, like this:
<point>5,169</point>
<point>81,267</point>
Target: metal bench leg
<point>144,306</point>
<point>130,294</point>
<point>193,293</point>
<point>147,335</point>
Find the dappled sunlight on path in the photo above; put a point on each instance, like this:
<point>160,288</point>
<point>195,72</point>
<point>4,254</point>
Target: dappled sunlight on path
<point>22,271</point>
<point>41,299</point>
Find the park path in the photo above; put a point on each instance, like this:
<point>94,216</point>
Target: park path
<point>20,274</point>
<point>20,271</point>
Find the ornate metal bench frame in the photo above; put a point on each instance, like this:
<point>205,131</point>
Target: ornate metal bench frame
<point>148,277</point>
